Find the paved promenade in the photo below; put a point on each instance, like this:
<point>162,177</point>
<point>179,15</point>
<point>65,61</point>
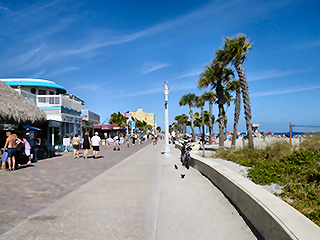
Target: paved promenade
<point>136,196</point>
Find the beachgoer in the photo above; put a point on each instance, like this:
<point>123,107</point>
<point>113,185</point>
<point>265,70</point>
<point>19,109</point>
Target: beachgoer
<point>11,144</point>
<point>86,142</point>
<point>95,142</point>
<point>116,143</point>
<point>27,148</point>
<point>76,145</point>
<point>127,140</point>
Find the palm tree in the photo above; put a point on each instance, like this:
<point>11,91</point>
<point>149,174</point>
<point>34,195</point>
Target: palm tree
<point>236,116</point>
<point>197,121</point>
<point>181,122</point>
<point>200,104</point>
<point>235,51</point>
<point>217,77</point>
<point>118,119</point>
<point>228,98</point>
<point>189,99</point>
<point>210,97</point>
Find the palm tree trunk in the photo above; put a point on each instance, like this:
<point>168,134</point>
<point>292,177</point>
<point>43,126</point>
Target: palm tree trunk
<point>192,123</point>
<point>236,117</point>
<point>219,91</point>
<point>202,116</point>
<point>221,125</point>
<point>246,100</point>
<point>210,122</point>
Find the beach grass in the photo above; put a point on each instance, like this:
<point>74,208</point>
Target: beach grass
<point>296,169</point>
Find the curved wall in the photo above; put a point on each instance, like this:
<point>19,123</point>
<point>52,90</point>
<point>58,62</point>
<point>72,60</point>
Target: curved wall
<point>272,217</point>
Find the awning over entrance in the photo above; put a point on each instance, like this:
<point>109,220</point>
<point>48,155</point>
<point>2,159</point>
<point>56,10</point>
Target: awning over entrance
<point>107,127</point>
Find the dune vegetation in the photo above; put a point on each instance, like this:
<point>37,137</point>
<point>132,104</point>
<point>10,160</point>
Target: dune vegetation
<point>297,170</point>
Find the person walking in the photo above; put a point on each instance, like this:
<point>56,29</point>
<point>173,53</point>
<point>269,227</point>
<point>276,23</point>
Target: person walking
<point>95,142</point>
<point>27,148</point>
<point>11,144</point>
<point>76,145</point>
<point>116,143</point>
<point>127,140</point>
<point>86,142</point>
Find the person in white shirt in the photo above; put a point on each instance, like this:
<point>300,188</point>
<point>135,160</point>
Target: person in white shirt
<point>116,143</point>
<point>95,142</point>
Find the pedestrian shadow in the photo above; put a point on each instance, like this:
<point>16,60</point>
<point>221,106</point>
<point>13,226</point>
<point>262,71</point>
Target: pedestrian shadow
<point>91,157</point>
<point>24,166</point>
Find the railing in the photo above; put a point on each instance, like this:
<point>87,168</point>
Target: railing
<point>31,97</point>
<point>58,100</point>
<point>90,116</point>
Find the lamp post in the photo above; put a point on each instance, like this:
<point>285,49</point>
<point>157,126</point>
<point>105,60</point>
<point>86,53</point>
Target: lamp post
<point>166,115</point>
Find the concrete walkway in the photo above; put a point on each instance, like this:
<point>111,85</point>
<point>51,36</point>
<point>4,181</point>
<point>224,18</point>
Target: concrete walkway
<point>142,197</point>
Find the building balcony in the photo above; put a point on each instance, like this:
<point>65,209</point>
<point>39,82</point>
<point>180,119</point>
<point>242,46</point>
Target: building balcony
<point>90,116</point>
<point>58,102</point>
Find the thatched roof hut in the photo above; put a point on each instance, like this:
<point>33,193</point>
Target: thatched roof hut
<point>16,109</point>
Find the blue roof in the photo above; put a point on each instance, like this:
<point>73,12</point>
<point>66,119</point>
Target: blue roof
<point>33,83</point>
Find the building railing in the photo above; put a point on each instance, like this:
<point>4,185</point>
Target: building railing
<point>59,101</point>
<point>90,116</point>
<point>31,97</point>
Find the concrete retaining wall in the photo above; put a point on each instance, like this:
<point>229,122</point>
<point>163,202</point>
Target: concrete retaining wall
<point>272,217</point>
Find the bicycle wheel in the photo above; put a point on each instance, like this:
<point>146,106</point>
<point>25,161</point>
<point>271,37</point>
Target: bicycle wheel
<point>183,159</point>
<point>187,164</point>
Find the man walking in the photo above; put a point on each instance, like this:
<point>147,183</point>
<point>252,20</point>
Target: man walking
<point>96,142</point>
<point>11,144</point>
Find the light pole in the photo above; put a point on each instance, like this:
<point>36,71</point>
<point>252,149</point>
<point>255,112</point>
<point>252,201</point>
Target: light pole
<point>166,115</point>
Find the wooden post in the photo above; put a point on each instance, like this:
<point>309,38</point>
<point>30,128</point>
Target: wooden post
<point>290,130</point>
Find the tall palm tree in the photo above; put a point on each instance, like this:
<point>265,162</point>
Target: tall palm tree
<point>236,117</point>
<point>189,99</point>
<point>228,98</point>
<point>210,97</point>
<point>197,121</point>
<point>217,77</point>
<point>235,51</point>
<point>200,104</point>
<point>118,119</point>
<point>181,122</point>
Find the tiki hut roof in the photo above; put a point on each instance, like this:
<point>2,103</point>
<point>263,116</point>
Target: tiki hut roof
<point>16,109</point>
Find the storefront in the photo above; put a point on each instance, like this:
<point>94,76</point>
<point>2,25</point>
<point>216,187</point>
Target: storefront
<point>70,125</point>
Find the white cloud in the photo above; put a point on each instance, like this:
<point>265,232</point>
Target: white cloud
<point>274,74</point>
<point>190,74</point>
<point>4,9</point>
<point>277,92</point>
<point>39,74</point>
<point>63,70</point>
<point>151,66</point>
<point>24,57</point>
<point>312,44</point>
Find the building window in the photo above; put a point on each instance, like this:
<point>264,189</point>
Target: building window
<point>51,93</point>
<point>42,92</point>
<point>33,90</point>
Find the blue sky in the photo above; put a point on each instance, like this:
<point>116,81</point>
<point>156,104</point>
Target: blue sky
<point>116,55</point>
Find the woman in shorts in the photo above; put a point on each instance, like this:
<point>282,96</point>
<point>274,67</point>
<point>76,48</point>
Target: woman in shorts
<point>76,145</point>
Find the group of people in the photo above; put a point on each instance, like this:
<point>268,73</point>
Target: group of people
<point>12,145</point>
<point>87,143</point>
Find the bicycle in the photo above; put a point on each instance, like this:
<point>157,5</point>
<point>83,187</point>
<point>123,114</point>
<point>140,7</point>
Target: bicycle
<point>185,154</point>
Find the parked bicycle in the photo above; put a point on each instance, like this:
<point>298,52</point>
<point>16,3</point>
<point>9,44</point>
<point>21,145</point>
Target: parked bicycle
<point>185,154</point>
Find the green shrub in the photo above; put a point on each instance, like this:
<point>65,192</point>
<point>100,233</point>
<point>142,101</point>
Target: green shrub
<point>297,171</point>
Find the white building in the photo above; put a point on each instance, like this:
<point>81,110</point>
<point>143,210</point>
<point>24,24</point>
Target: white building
<point>63,110</point>
<point>88,119</point>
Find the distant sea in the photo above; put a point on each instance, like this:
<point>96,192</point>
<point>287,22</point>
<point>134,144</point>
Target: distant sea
<point>297,133</point>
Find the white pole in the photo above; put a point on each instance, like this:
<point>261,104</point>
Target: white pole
<point>166,114</point>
